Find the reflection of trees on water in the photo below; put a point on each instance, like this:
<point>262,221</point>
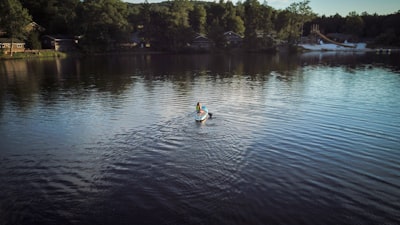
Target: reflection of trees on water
<point>17,84</point>
<point>24,82</point>
<point>351,60</point>
<point>179,67</point>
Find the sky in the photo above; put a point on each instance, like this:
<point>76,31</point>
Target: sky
<point>331,7</point>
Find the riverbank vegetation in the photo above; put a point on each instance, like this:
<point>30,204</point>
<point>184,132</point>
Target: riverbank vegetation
<point>108,25</point>
<point>34,54</point>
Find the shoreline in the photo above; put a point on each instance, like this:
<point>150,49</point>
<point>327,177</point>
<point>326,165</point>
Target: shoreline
<point>42,54</point>
<point>34,54</point>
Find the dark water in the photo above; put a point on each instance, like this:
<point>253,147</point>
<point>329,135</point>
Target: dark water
<point>310,139</point>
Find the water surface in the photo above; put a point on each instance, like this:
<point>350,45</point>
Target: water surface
<point>302,139</point>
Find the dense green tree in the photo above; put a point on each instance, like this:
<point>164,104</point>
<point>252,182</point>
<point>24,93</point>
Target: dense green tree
<point>170,25</point>
<point>134,17</point>
<point>268,33</point>
<point>252,20</point>
<point>179,13</point>
<point>157,31</point>
<point>180,31</point>
<point>372,25</point>
<point>104,22</point>
<point>66,18</point>
<point>233,21</point>
<point>43,11</point>
<point>305,14</point>
<point>267,18</point>
<point>143,21</point>
<point>14,19</point>
<point>354,24</point>
<point>216,14</point>
<point>33,40</point>
<point>216,34</point>
<point>331,24</point>
<point>240,10</point>
<point>56,16</point>
<point>390,30</point>
<point>198,18</point>
<point>282,24</point>
<point>299,14</point>
<point>167,24</point>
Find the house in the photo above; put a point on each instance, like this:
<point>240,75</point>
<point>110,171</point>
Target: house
<point>135,41</point>
<point>60,43</point>
<point>33,26</point>
<point>233,39</point>
<point>17,45</point>
<point>201,42</point>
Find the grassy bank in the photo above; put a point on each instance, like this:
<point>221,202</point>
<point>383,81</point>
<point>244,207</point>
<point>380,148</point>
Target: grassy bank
<point>33,54</point>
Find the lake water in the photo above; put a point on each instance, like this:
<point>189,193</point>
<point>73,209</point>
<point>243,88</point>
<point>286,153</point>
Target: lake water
<point>301,139</point>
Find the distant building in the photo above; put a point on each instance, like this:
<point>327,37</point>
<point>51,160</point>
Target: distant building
<point>233,39</point>
<point>60,43</point>
<point>17,45</point>
<point>135,41</point>
<point>201,42</point>
<point>33,26</point>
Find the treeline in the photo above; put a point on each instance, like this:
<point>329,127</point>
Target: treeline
<point>170,25</point>
<point>377,30</point>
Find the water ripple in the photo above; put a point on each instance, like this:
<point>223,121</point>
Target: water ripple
<point>312,145</point>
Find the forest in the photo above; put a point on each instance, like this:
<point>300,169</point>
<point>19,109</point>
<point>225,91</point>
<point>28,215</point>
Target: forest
<point>171,25</point>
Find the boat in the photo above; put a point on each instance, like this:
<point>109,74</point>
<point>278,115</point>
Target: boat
<point>201,116</point>
<point>335,47</point>
<point>331,45</point>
